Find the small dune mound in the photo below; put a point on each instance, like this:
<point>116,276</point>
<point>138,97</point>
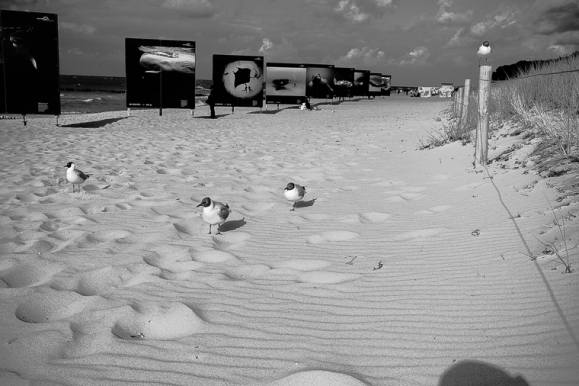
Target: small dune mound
<point>157,322</point>
<point>318,378</point>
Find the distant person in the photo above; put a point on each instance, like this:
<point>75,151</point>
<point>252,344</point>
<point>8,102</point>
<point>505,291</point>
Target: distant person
<point>211,102</point>
<point>309,106</point>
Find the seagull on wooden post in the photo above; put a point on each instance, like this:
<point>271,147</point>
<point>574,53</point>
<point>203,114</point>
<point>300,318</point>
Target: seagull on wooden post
<point>484,50</point>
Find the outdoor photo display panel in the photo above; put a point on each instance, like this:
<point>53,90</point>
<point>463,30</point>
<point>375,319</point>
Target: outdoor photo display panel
<point>29,67</point>
<point>160,73</point>
<point>361,82</point>
<point>320,81</point>
<point>343,82</point>
<point>386,84</point>
<point>286,83</point>
<point>375,87</point>
<point>238,80</point>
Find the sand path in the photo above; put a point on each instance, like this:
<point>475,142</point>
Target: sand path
<point>400,267</point>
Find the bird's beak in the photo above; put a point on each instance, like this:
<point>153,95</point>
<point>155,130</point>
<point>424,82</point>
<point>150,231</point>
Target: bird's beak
<point>198,206</point>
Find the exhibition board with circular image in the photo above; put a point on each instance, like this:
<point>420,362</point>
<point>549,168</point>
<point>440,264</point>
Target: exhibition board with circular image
<point>238,80</point>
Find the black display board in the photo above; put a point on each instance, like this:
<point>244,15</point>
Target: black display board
<point>29,66</point>
<point>386,84</point>
<point>160,73</point>
<point>286,83</point>
<point>375,87</point>
<point>320,79</point>
<point>361,82</point>
<point>238,80</point>
<point>344,82</point>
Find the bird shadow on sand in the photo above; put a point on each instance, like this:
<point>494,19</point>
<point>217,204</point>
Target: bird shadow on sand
<point>95,124</point>
<point>478,373</point>
<point>305,204</point>
<point>232,225</point>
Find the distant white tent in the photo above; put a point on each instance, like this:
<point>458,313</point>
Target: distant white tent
<point>446,90</point>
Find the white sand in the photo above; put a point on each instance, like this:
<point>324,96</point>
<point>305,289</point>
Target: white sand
<point>400,267</point>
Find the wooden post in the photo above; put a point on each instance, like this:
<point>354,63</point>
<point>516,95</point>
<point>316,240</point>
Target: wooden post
<point>464,104</point>
<point>482,129</point>
<point>459,103</point>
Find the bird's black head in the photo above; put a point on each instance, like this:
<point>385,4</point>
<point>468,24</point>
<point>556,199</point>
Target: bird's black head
<point>290,186</point>
<point>205,202</point>
<point>68,165</point>
<point>486,43</point>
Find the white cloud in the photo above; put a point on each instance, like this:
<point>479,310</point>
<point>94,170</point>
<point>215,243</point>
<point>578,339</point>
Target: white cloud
<point>194,8</point>
<point>267,45</point>
<point>351,11</point>
<point>245,51</point>
<point>365,56</point>
<point>418,56</point>
<point>446,16</point>
<point>501,20</point>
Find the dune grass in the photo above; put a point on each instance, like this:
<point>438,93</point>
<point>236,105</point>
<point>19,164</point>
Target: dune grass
<point>545,100</point>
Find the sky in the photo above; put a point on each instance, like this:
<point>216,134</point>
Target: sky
<point>417,42</point>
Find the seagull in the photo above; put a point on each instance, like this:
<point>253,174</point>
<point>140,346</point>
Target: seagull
<point>294,192</point>
<point>484,50</point>
<point>214,213</point>
<point>75,176</point>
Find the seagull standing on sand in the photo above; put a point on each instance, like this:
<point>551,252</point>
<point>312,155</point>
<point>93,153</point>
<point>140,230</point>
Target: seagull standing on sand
<point>214,213</point>
<point>75,176</point>
<point>294,192</point>
<point>484,50</point>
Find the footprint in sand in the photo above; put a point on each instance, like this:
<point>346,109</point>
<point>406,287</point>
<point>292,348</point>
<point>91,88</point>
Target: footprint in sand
<point>51,305</point>
<point>318,378</point>
<point>107,279</point>
<point>29,272</point>
<point>231,240</point>
<point>435,209</point>
<point>373,217</point>
<point>315,216</point>
<point>302,264</point>
<point>390,183</point>
<point>471,186</point>
<point>332,236</point>
<point>250,271</point>
<point>154,321</point>
<point>173,259</point>
<point>421,234</point>
<point>323,277</point>
<point>439,178</point>
<point>213,256</point>
<point>258,206</point>
<point>404,197</point>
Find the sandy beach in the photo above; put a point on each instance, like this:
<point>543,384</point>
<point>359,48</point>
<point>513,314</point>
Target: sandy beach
<point>399,267</point>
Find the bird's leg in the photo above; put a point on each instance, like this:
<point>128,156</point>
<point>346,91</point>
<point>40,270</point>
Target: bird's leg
<point>293,207</point>
<point>218,230</point>
<point>209,228</point>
